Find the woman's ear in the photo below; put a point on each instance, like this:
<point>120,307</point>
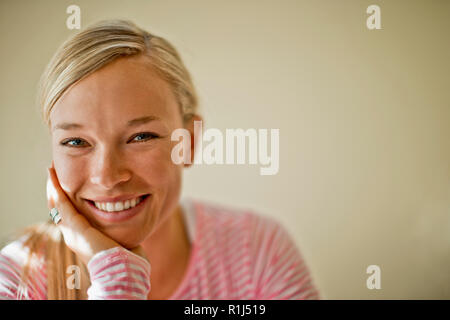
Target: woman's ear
<point>190,126</point>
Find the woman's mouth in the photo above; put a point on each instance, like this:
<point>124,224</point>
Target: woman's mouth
<point>119,205</point>
<point>118,211</point>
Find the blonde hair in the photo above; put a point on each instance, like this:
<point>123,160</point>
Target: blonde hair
<point>79,56</point>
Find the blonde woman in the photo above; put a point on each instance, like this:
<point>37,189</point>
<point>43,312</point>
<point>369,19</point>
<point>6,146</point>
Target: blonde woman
<point>111,97</point>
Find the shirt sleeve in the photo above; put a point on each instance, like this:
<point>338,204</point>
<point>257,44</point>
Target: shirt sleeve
<point>282,272</point>
<point>12,258</point>
<point>9,278</point>
<point>118,273</point>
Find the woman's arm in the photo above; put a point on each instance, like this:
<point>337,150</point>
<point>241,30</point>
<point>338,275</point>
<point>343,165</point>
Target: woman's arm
<point>9,278</point>
<point>12,258</point>
<point>118,274</point>
<point>115,274</point>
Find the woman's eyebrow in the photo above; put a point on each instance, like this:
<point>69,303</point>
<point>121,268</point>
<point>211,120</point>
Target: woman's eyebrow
<point>67,126</point>
<point>142,120</point>
<point>131,123</point>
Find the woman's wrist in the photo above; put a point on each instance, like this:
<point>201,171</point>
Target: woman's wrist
<point>118,273</point>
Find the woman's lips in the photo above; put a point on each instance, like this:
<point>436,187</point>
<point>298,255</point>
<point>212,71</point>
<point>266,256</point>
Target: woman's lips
<point>118,216</point>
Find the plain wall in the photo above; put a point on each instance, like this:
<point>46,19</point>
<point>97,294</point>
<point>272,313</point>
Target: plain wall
<point>364,119</point>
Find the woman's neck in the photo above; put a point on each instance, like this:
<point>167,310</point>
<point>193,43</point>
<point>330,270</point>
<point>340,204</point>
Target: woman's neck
<point>168,251</point>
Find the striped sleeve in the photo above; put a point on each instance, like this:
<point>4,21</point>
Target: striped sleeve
<point>282,273</point>
<point>9,278</point>
<point>12,258</point>
<point>118,274</point>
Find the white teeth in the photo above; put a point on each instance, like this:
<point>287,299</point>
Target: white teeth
<point>117,206</point>
<point>109,206</point>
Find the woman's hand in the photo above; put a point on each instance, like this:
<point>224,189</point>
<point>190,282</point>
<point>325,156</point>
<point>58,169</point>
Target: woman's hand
<point>79,235</point>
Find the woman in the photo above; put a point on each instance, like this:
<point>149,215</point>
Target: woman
<point>111,97</point>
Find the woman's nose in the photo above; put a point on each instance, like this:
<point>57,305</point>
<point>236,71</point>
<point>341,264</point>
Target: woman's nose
<point>108,170</point>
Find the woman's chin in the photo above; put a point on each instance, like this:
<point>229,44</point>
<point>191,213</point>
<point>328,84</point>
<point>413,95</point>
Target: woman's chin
<point>129,244</point>
<point>128,240</point>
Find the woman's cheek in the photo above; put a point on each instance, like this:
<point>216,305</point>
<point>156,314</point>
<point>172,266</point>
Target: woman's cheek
<point>158,165</point>
<point>157,172</point>
<point>68,171</point>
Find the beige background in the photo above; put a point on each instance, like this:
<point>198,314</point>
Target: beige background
<point>364,119</point>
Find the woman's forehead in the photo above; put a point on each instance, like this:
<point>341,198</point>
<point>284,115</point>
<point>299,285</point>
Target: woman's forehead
<point>123,89</point>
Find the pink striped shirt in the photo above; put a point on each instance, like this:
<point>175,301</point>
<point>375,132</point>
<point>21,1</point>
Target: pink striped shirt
<point>235,254</point>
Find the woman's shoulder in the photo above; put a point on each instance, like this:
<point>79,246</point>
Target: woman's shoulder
<point>14,256</point>
<point>223,218</point>
<point>259,246</point>
<point>17,248</point>
<point>15,252</point>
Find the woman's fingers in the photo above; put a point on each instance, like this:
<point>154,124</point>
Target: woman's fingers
<point>72,223</point>
<point>57,199</point>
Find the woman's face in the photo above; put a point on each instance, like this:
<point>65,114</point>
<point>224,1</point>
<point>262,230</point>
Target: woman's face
<point>111,137</point>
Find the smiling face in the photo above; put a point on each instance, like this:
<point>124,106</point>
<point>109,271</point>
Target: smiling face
<point>111,137</point>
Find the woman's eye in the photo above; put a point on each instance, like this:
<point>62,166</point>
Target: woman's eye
<point>73,142</point>
<point>144,137</point>
<point>77,142</point>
